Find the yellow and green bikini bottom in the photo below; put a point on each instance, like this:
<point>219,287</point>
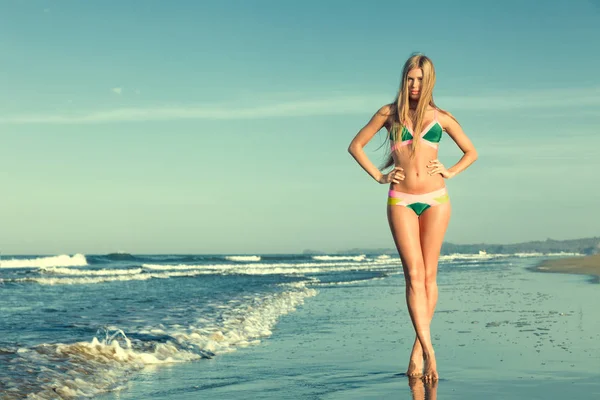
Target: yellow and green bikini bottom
<point>418,202</point>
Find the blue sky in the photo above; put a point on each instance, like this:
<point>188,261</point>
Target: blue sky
<point>223,127</point>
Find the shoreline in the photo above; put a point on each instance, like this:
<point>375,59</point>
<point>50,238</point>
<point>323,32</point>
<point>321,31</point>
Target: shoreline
<point>499,333</point>
<point>581,265</point>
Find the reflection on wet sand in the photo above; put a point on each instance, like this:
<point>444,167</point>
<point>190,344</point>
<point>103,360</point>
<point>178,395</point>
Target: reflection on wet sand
<point>422,390</point>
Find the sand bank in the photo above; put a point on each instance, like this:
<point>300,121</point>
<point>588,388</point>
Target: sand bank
<point>588,265</point>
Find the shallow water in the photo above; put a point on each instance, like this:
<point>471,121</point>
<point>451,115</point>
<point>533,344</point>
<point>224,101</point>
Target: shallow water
<point>78,326</point>
<point>500,332</point>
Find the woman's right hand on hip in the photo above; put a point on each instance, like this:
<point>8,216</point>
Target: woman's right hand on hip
<point>394,176</point>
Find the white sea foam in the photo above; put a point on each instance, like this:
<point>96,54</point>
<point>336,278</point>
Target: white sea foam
<point>77,260</point>
<point>488,256</point>
<point>362,257</point>
<point>244,325</point>
<point>281,268</point>
<point>461,257</point>
<point>243,258</point>
<point>165,275</point>
<point>301,284</point>
<point>559,254</point>
<point>89,272</point>
<point>354,282</point>
<point>86,369</point>
<point>71,276</point>
<point>531,254</point>
<point>83,280</point>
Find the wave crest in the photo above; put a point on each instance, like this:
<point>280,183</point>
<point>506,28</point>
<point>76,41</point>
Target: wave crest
<point>87,369</point>
<point>77,260</point>
<point>243,258</point>
<point>362,257</point>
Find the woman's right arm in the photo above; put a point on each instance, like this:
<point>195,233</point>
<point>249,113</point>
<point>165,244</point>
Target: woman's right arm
<point>363,137</point>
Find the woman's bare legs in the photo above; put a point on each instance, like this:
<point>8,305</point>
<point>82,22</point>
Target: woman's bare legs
<point>433,224</point>
<point>404,225</point>
<point>430,228</point>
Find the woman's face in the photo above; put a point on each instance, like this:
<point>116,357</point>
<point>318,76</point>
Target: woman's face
<point>414,80</point>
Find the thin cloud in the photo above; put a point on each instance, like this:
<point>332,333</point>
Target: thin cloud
<point>335,106</point>
<point>117,90</point>
<point>556,98</point>
<point>340,105</point>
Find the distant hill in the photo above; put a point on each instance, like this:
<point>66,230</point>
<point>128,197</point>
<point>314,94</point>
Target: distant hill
<point>586,246</point>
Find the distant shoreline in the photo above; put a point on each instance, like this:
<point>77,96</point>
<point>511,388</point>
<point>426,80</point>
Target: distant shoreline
<point>586,265</point>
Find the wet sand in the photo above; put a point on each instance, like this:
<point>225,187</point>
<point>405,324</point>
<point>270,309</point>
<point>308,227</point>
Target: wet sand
<point>587,265</point>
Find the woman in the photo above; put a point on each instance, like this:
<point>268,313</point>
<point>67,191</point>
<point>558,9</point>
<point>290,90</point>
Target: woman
<point>418,203</point>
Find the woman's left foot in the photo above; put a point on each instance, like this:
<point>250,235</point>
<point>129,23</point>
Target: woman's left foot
<point>430,373</point>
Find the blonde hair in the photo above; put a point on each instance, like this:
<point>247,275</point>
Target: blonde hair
<point>400,107</point>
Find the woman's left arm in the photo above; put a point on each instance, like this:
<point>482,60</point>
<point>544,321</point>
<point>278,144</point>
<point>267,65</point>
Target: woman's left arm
<point>453,128</point>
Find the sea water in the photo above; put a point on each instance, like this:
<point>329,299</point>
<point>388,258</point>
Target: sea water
<point>75,326</point>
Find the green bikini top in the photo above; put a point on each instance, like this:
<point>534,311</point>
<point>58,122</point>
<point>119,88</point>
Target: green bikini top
<point>431,135</point>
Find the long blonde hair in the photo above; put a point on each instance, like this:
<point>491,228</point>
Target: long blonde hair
<point>400,107</point>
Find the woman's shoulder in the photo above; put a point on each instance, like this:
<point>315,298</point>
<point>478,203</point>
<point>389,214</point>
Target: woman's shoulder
<point>387,113</point>
<point>387,110</point>
<point>445,118</point>
<point>443,114</point>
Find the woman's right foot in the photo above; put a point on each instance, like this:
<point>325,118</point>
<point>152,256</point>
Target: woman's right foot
<point>415,366</point>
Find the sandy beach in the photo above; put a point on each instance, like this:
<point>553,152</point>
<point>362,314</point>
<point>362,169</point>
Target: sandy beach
<point>501,331</point>
<point>588,265</point>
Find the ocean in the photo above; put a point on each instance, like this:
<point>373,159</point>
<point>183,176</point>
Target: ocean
<point>81,326</point>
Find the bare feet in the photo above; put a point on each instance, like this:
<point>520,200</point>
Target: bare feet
<point>415,366</point>
<point>430,373</point>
